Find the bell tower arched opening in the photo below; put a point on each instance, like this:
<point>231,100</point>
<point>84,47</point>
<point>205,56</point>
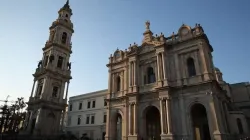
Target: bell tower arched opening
<point>200,122</point>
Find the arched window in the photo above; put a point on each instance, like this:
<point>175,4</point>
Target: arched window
<point>66,15</point>
<point>118,83</point>
<point>150,75</point>
<point>239,124</point>
<point>191,67</point>
<point>64,37</point>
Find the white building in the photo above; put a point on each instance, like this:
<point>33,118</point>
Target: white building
<point>87,114</point>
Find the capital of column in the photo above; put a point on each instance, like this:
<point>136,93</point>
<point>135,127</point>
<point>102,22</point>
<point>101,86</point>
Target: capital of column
<point>132,103</point>
<point>161,98</point>
<point>211,93</point>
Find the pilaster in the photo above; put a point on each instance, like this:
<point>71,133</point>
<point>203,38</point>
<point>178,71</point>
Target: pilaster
<point>218,130</point>
<point>165,80</point>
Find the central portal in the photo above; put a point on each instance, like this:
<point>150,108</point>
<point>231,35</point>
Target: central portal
<point>200,122</point>
<point>153,125</point>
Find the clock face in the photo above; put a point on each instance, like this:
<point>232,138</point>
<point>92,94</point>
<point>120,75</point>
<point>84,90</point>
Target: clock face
<point>184,31</point>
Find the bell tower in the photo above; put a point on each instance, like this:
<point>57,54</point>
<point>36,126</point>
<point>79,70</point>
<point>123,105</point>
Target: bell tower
<point>48,99</point>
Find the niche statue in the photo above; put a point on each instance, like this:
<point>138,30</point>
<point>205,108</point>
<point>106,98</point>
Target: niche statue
<point>39,64</point>
<point>69,65</point>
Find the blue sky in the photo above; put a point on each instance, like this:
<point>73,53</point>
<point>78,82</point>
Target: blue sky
<point>102,26</point>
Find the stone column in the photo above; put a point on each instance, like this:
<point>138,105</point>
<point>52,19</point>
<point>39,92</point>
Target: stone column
<point>214,115</point>
<point>129,119</point>
<point>197,63</point>
<point>183,116</point>
<point>107,123</point>
<point>135,118</point>
<point>109,82</point>
<point>163,65</point>
<point>130,74</point>
<point>158,69</point>
<point>66,97</point>
<point>168,113</point>
<point>62,91</point>
<point>134,74</point>
<point>162,116</point>
<point>45,81</point>
<point>122,82</point>
<point>204,63</point>
<point>113,83</point>
<point>178,77</point>
<point>125,81</point>
<point>63,119</point>
<point>32,91</point>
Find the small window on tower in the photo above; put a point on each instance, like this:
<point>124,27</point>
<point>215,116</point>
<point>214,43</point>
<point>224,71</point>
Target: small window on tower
<point>60,62</point>
<point>64,37</point>
<point>66,15</point>
<point>55,92</point>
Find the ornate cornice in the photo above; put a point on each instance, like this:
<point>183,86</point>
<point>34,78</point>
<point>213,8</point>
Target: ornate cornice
<point>50,44</point>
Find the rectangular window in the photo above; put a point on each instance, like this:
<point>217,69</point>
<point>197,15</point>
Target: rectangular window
<point>69,120</point>
<point>87,119</point>
<point>93,104</point>
<point>79,120</point>
<point>55,92</point>
<point>104,118</point>
<point>105,103</point>
<point>70,107</point>
<point>80,106</point>
<point>60,62</point>
<point>89,104</point>
<point>92,119</point>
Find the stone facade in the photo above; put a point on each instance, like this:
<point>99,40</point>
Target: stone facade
<point>168,88</point>
<point>48,99</point>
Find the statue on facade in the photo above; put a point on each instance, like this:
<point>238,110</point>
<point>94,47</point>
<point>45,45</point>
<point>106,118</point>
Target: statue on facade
<point>39,64</point>
<point>147,25</point>
<point>69,65</point>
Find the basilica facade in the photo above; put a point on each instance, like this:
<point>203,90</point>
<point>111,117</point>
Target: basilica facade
<point>168,88</point>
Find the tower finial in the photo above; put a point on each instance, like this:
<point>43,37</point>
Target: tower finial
<point>147,25</point>
<point>66,7</point>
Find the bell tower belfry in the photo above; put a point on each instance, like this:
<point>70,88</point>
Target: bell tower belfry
<point>48,99</point>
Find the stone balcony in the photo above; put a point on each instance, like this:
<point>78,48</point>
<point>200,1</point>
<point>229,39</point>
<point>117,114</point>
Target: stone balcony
<point>148,87</point>
<point>52,100</point>
<point>50,67</point>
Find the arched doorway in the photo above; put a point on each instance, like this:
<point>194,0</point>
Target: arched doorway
<point>153,125</point>
<point>200,122</point>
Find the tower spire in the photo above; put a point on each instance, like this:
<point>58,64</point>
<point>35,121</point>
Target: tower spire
<point>66,7</point>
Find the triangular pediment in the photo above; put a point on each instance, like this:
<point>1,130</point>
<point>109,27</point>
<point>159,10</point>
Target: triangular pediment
<point>146,47</point>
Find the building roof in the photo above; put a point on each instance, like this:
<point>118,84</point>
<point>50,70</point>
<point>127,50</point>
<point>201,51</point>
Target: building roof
<point>89,95</point>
